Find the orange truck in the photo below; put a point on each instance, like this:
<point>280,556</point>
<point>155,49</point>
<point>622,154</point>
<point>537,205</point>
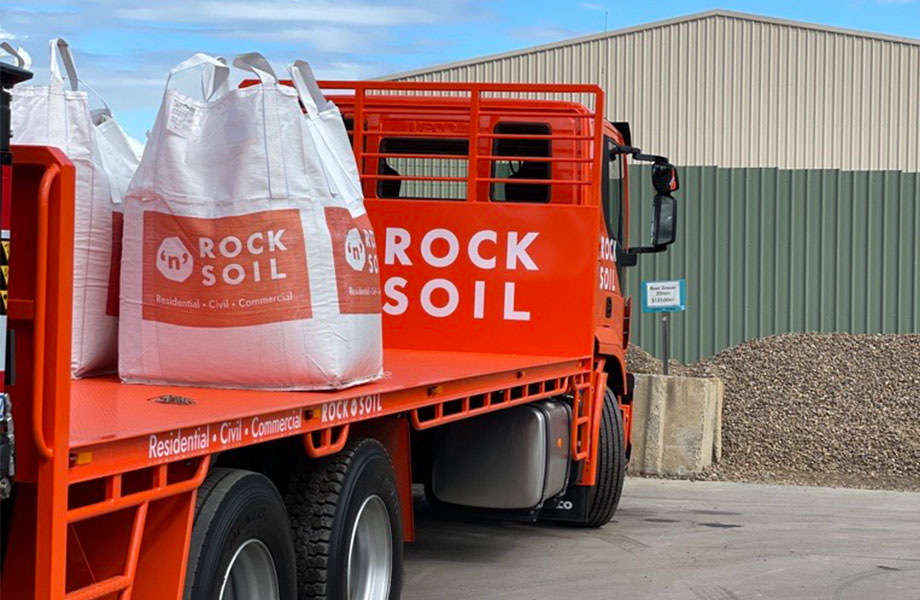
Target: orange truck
<point>501,224</point>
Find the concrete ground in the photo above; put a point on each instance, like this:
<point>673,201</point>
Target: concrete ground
<point>679,539</point>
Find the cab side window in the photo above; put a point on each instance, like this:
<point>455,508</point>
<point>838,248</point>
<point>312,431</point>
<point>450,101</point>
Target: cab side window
<point>613,192</point>
<point>518,167</point>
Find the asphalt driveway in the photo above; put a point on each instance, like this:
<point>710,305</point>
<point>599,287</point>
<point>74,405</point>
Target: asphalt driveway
<point>678,539</point>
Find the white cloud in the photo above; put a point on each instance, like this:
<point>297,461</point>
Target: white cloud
<point>895,1</point>
<point>358,14</point>
<point>593,6</point>
<point>323,38</point>
<point>543,33</point>
<point>344,71</point>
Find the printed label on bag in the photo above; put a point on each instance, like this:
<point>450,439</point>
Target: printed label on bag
<point>227,272</point>
<point>357,272</point>
<point>181,117</point>
<point>118,228</point>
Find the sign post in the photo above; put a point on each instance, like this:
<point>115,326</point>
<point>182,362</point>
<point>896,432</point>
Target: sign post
<point>664,297</point>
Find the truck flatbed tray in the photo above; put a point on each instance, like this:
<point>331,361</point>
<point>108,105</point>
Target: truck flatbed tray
<point>104,410</point>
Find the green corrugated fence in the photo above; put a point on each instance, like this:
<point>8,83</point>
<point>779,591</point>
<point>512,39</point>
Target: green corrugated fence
<point>767,251</point>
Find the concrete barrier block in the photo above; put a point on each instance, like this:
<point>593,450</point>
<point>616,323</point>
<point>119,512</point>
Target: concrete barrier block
<point>677,424</point>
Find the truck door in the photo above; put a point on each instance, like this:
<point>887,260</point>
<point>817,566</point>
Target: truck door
<point>611,234</point>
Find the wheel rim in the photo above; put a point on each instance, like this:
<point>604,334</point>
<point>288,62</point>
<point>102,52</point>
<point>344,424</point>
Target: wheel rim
<point>370,552</point>
<point>251,574</point>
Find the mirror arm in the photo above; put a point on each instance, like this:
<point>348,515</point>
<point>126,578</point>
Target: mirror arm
<point>637,154</point>
<point>653,158</point>
<point>631,150</point>
<point>626,258</point>
<point>648,249</point>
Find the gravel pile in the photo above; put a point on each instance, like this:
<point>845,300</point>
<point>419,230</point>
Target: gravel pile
<point>640,361</point>
<point>819,409</point>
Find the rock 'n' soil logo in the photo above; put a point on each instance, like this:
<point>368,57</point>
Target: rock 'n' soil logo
<point>355,254</point>
<point>174,261</point>
<point>231,271</point>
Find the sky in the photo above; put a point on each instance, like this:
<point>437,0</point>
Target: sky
<point>124,49</point>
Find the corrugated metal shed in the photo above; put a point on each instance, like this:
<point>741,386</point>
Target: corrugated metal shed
<point>736,90</point>
<point>768,251</point>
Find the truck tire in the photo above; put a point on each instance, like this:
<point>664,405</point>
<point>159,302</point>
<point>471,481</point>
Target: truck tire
<point>241,547</point>
<point>347,525</point>
<point>611,465</point>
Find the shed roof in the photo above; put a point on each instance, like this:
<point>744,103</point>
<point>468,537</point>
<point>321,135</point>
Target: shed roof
<point>709,14</point>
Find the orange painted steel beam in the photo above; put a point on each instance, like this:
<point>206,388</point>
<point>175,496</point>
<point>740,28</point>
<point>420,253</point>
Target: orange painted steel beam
<point>101,589</point>
<point>157,492</point>
<point>596,392</point>
<point>41,292</point>
<point>54,210</point>
<point>332,440</point>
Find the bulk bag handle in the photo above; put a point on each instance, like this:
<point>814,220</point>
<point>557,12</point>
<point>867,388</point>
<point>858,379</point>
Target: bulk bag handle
<point>60,53</point>
<point>23,59</point>
<point>213,79</point>
<point>256,63</point>
<point>345,175</point>
<point>274,152</point>
<point>307,89</point>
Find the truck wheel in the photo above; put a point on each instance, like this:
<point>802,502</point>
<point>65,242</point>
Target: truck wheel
<point>241,546</point>
<point>347,525</point>
<point>611,465</point>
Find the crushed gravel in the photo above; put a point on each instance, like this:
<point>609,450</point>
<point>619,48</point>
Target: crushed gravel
<point>816,409</point>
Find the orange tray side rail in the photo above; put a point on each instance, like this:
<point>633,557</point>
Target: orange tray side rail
<point>40,291</point>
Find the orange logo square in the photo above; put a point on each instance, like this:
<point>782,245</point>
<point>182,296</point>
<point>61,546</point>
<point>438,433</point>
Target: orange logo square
<point>357,272</point>
<point>225,272</point>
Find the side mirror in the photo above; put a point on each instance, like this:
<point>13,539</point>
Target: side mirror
<point>664,217</point>
<point>664,221</point>
<point>664,227</point>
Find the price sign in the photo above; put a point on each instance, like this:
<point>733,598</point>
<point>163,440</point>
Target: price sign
<point>664,296</point>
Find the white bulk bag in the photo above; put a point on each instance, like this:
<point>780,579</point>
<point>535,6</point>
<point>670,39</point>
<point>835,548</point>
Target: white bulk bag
<point>245,264</point>
<point>59,116</point>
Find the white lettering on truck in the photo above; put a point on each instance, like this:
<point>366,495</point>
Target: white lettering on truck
<point>351,408</point>
<point>453,298</point>
<point>275,426</point>
<point>607,273</point>
<point>397,241</point>
<point>393,290</point>
<point>178,443</point>
<point>441,248</point>
<point>453,248</point>
<point>475,257</point>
